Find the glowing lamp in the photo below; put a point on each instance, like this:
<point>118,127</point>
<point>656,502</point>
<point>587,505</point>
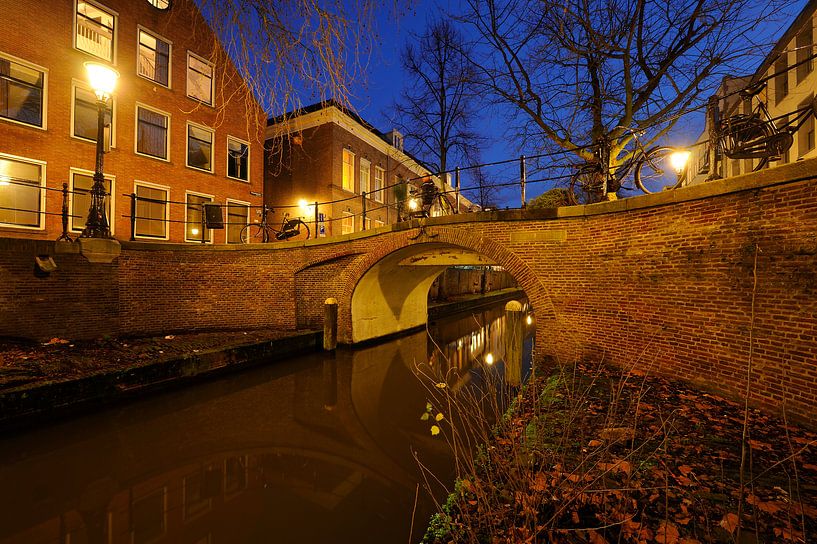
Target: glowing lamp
<point>679,160</point>
<point>102,79</point>
<point>489,359</point>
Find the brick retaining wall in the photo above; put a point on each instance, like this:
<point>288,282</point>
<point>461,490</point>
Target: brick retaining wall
<point>662,282</point>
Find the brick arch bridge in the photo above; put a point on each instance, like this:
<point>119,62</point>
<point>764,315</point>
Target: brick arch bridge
<point>665,282</point>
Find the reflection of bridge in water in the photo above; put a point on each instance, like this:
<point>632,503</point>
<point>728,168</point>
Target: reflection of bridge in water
<point>317,450</point>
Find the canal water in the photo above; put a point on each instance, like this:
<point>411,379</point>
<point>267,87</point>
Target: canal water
<point>315,449</point>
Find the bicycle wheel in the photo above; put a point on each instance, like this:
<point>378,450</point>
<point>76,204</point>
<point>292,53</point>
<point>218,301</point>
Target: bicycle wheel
<point>654,173</point>
<point>585,188</point>
<point>254,233</point>
<point>293,229</point>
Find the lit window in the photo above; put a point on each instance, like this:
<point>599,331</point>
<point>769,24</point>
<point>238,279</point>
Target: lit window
<point>22,90</point>
<point>377,190</point>
<point>365,174</point>
<point>151,211</point>
<point>195,231</point>
<point>199,79</point>
<point>159,4</point>
<point>347,223</point>
<point>21,196</point>
<point>154,58</point>
<point>805,51</point>
<point>238,159</point>
<point>199,148</point>
<point>81,185</point>
<point>95,30</point>
<point>84,121</point>
<point>151,133</point>
<point>238,217</point>
<point>805,136</point>
<point>348,170</point>
<point>781,80</point>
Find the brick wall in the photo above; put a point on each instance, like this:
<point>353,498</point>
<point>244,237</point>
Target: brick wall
<point>664,282</point>
<point>41,32</point>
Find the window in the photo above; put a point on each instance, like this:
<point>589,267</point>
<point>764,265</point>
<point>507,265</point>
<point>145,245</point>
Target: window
<point>199,147</point>
<point>238,159</point>
<point>194,218</point>
<point>95,30</point>
<point>199,79</point>
<point>379,176</point>
<point>805,136</point>
<point>347,224</point>
<point>22,93</point>
<point>238,217</point>
<point>81,184</point>
<point>781,80</point>
<point>348,170</point>
<point>151,211</point>
<point>21,197</point>
<point>159,4</point>
<point>154,58</point>
<point>84,118</point>
<point>365,174</point>
<point>368,224</point>
<point>378,223</point>
<point>152,133</point>
<point>805,51</point>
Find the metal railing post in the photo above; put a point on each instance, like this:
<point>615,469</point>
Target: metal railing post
<point>317,223</point>
<point>202,224</point>
<point>363,217</point>
<point>523,178</point>
<point>132,217</point>
<point>457,188</point>
<point>64,236</point>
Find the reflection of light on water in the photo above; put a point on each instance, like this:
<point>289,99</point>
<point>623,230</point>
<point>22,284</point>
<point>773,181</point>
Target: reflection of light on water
<point>529,320</point>
<point>489,359</point>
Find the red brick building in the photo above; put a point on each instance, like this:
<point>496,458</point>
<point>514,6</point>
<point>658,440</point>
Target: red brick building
<point>324,153</point>
<point>179,117</point>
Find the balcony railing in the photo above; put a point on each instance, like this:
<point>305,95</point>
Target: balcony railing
<point>94,38</point>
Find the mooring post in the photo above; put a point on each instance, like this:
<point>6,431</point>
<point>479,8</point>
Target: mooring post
<point>514,338</point>
<point>330,324</point>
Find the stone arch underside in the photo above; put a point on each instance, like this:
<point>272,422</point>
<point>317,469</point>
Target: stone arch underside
<point>390,295</point>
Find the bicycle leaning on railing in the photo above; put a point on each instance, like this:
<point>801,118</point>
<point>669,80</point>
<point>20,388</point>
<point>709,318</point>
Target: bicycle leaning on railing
<point>755,135</point>
<point>262,232</point>
<point>422,199</point>
<point>649,170</point>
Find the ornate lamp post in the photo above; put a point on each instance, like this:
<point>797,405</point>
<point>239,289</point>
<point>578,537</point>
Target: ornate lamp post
<point>103,80</point>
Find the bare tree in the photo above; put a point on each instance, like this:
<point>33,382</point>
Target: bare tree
<point>588,76</point>
<point>436,111</point>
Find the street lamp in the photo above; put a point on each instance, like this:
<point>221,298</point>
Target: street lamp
<point>678,160</point>
<point>103,80</point>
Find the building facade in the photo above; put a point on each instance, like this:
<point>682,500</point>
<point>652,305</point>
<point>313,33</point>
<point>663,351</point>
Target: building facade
<point>326,154</point>
<point>790,85</point>
<point>178,121</point>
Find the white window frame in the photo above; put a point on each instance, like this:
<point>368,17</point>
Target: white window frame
<point>71,172</point>
<point>110,12</point>
<point>227,213</point>
<point>166,189</point>
<point>365,166</point>
<point>75,84</point>
<point>378,223</point>
<point>212,80</point>
<point>186,221</point>
<point>44,72</point>
<point>343,170</point>
<point>169,56</point>
<point>378,195</point>
<point>344,216</point>
<point>41,214</point>
<point>187,146</point>
<point>227,165</point>
<point>136,132</point>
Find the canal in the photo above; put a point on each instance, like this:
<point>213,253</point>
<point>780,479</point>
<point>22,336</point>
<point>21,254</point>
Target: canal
<point>319,448</point>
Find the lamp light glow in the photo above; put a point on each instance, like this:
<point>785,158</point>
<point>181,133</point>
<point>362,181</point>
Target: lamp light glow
<point>194,231</point>
<point>679,160</point>
<point>413,204</point>
<point>529,320</point>
<point>489,359</point>
<point>102,79</point>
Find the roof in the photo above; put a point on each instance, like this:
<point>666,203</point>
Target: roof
<point>786,38</point>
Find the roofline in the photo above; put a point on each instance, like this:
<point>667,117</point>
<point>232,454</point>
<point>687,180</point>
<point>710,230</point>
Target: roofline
<point>791,32</point>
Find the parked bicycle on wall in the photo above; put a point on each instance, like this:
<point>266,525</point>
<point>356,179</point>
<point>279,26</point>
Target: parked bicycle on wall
<point>754,135</point>
<point>262,232</point>
<point>648,170</point>
<point>422,200</point>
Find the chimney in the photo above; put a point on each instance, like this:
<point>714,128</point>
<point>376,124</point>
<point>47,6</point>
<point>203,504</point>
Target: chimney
<point>395,138</point>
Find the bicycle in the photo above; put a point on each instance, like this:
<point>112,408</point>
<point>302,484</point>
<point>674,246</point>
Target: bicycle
<point>262,232</point>
<point>422,200</point>
<point>650,171</point>
<point>755,135</point>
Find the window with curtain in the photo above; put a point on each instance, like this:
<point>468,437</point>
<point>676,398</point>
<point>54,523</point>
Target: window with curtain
<point>151,211</point>
<point>20,193</point>
<point>151,133</point>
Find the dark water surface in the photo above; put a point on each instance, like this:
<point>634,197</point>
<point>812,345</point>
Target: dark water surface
<point>314,449</point>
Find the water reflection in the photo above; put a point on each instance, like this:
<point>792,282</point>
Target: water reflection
<point>318,449</point>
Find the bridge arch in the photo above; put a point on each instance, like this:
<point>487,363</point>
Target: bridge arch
<point>386,291</point>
